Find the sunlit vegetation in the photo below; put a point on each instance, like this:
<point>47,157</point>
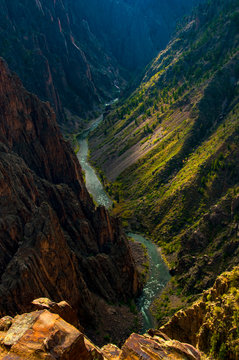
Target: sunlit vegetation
<point>222,319</point>
<point>181,125</point>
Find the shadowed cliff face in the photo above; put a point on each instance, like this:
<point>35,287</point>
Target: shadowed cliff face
<point>56,55</point>
<point>138,28</point>
<point>53,241</point>
<point>75,53</point>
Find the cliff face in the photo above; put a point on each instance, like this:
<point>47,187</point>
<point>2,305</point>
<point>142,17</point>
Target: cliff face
<point>211,324</point>
<point>56,55</point>
<point>138,28</point>
<point>53,241</point>
<point>75,54</point>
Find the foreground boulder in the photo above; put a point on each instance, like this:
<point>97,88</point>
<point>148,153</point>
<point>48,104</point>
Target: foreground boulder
<point>62,308</point>
<point>147,347</point>
<point>43,334</point>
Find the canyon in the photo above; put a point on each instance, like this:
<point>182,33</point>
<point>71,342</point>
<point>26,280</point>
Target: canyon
<point>168,156</point>
<point>151,111</point>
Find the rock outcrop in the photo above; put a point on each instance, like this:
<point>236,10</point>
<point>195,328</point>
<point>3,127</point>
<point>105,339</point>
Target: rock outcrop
<point>157,347</point>
<point>54,243</point>
<point>211,324</point>
<point>62,308</point>
<point>45,335</point>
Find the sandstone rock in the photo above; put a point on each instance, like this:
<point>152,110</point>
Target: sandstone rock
<point>5,323</point>
<point>146,347</point>
<point>111,352</point>
<point>43,335</point>
<point>94,351</point>
<point>62,308</point>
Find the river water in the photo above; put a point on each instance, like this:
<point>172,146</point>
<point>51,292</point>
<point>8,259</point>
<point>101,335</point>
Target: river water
<point>158,271</point>
<point>93,184</point>
<point>158,278</point>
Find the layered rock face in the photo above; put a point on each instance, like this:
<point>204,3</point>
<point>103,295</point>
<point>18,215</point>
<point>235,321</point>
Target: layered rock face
<point>56,55</point>
<point>211,324</point>
<point>45,335</point>
<point>54,242</point>
<point>138,28</point>
<point>76,54</point>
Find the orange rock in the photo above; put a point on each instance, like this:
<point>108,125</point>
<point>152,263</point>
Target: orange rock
<point>44,335</point>
<point>148,348</point>
<point>62,308</point>
<point>5,323</point>
<point>111,352</point>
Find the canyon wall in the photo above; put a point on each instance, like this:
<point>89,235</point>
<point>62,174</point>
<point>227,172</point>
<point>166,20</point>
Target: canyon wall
<point>77,54</point>
<point>54,242</point>
<point>57,58</point>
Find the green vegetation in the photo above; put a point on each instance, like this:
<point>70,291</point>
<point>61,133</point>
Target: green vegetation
<point>180,127</point>
<point>221,321</point>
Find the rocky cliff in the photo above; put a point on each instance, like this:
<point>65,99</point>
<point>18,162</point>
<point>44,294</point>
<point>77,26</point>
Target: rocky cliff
<point>53,241</point>
<point>56,55</point>
<point>138,28</point>
<point>43,334</point>
<point>76,54</point>
<point>211,324</point>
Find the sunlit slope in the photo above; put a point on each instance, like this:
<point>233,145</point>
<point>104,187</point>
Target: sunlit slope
<point>173,145</point>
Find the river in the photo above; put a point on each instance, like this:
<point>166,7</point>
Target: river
<point>93,183</point>
<point>158,271</point>
<point>158,278</point>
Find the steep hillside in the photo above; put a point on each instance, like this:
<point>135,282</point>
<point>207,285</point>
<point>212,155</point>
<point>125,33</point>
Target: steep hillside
<point>172,148</point>
<point>54,242</point>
